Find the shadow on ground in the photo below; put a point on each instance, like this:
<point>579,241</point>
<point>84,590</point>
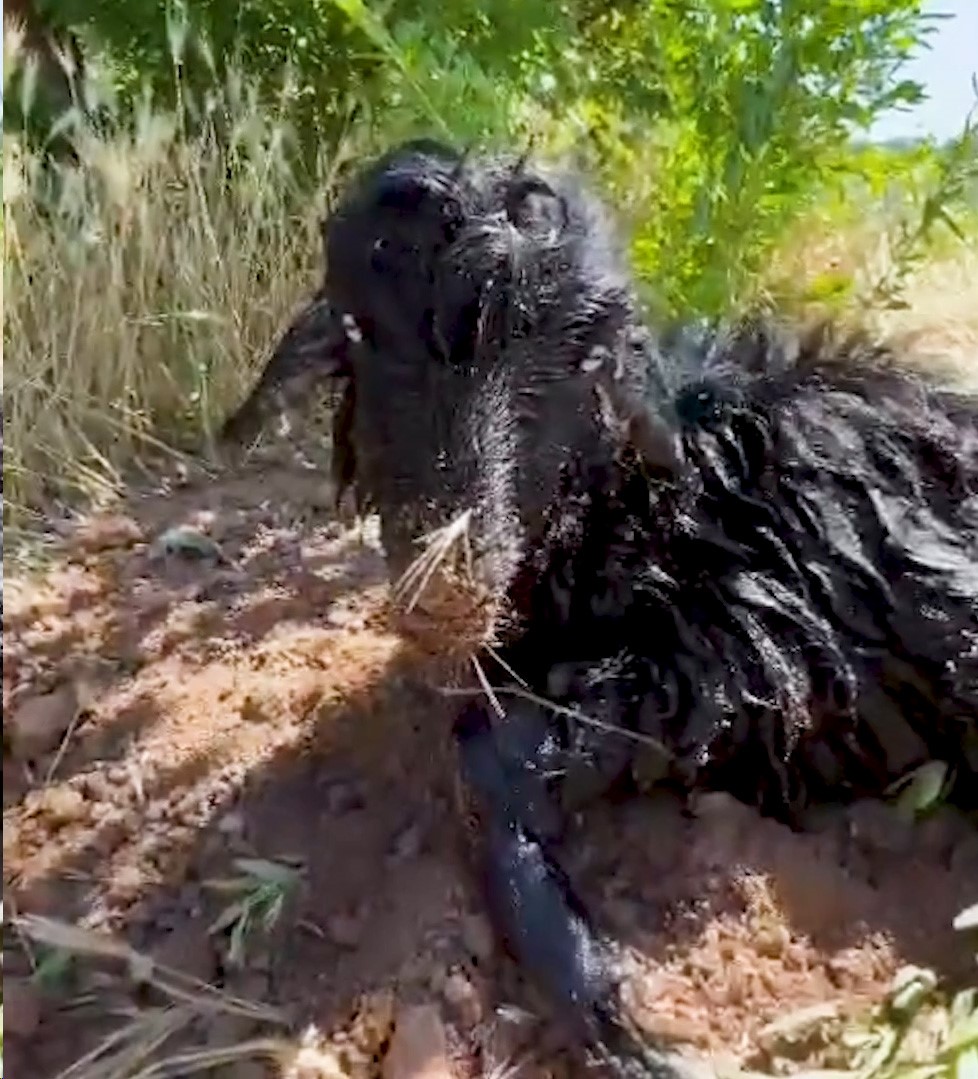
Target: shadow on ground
<point>255,704</point>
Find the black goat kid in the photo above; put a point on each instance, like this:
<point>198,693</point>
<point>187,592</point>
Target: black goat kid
<point>757,552</point>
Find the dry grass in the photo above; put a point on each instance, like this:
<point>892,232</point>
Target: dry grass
<point>941,324</point>
<point>837,259</point>
<point>174,984</point>
<point>142,290</point>
<point>156,1041</point>
<point>438,604</point>
<point>137,1047</point>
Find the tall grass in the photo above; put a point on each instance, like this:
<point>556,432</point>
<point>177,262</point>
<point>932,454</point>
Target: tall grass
<point>142,286</point>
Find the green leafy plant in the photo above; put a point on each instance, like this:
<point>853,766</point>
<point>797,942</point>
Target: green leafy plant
<point>53,969</point>
<point>918,1033</point>
<point>761,98</point>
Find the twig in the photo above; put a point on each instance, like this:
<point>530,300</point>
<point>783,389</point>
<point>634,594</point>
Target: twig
<point>484,681</point>
<point>63,746</point>
<point>562,710</point>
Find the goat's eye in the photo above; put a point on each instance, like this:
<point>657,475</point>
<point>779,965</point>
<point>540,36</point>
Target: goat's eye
<point>380,258</point>
<point>533,204</point>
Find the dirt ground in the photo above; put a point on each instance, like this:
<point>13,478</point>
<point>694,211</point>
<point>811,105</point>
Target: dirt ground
<point>168,712</point>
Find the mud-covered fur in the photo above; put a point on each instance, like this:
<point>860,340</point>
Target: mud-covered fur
<point>756,549</point>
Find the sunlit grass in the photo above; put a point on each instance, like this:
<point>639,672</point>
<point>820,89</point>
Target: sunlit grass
<point>142,287</point>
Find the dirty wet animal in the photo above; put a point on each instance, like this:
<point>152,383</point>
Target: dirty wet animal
<point>747,559</point>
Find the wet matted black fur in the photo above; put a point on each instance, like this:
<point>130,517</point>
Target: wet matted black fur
<point>755,549</point>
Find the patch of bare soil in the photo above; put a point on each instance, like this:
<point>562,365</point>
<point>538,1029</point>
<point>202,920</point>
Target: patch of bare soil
<point>206,675</point>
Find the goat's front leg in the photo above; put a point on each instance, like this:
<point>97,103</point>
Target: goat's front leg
<point>534,910</point>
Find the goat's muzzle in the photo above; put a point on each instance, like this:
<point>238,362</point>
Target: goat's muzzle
<point>439,601</point>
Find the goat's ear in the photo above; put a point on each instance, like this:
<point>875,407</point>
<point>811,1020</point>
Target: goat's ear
<point>315,348</point>
<point>532,205</point>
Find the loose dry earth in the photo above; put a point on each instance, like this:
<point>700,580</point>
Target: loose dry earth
<point>167,713</point>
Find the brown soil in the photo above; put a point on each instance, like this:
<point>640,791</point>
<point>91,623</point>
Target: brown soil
<point>256,704</point>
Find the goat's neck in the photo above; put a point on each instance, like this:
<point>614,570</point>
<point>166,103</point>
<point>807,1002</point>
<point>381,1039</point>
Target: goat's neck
<point>576,587</point>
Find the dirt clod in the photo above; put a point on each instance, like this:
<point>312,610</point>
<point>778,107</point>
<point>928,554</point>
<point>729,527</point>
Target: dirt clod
<point>344,618</point>
<point>796,1033</point>
<point>419,1046</point>
<point>21,1008</point>
<point>63,805</point>
<point>106,532</point>
<point>39,723</point>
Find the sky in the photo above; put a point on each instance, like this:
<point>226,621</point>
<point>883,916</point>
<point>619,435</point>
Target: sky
<point>945,70</point>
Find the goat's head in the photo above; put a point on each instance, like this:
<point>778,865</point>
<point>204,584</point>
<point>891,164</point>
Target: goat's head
<point>488,341</point>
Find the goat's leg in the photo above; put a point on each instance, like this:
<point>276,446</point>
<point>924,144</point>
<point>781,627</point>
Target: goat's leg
<point>540,920</point>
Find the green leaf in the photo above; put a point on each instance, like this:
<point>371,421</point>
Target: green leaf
<point>962,1035</point>
<point>911,987</point>
<point>889,1042</point>
<point>830,285</point>
<point>231,914</point>
<point>964,1004</point>
<point>53,968</point>
<point>948,220</point>
<point>353,9</point>
<point>924,787</point>
<point>271,872</point>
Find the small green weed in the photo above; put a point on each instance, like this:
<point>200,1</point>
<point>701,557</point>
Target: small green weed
<point>53,970</point>
<point>262,891</point>
<point>921,1035</point>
